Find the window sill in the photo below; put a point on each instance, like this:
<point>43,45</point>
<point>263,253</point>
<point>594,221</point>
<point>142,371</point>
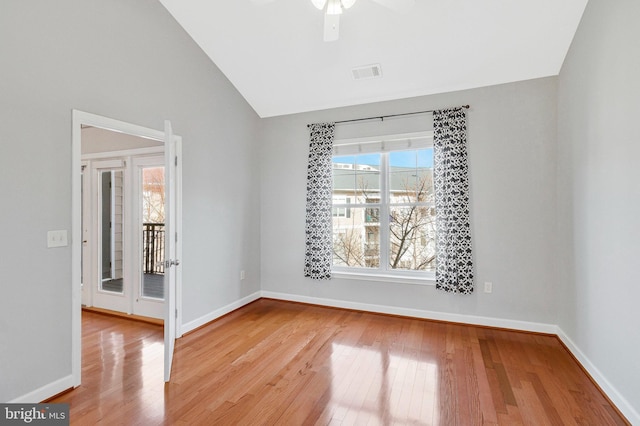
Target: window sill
<point>429,280</point>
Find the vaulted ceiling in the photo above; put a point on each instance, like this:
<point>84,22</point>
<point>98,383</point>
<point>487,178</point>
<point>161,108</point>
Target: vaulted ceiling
<point>274,54</point>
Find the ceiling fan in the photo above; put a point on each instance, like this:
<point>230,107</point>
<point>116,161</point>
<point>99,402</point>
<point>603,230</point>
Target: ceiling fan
<point>333,9</point>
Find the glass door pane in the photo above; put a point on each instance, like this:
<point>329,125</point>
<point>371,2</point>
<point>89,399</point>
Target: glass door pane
<point>153,234</point>
<point>111,212</point>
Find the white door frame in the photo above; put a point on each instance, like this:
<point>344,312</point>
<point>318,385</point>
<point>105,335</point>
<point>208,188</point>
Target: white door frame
<point>87,267</point>
<point>80,118</point>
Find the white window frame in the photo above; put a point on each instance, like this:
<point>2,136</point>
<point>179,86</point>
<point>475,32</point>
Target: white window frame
<point>383,145</point>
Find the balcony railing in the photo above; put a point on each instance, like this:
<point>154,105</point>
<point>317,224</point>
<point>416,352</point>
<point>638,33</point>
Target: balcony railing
<point>372,215</point>
<point>153,248</point>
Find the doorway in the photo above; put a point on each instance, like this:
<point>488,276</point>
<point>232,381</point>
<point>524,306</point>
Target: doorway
<point>118,241</point>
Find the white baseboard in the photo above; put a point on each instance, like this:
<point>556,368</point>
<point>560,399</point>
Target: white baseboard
<point>418,313</point>
<point>199,322</point>
<point>45,392</point>
<point>621,402</point>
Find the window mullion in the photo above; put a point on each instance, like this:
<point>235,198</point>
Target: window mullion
<point>384,212</point>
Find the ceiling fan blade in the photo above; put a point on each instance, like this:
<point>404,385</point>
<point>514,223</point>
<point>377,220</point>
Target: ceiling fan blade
<point>399,6</point>
<point>331,27</point>
<point>319,4</point>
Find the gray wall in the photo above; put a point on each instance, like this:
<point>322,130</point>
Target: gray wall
<point>128,60</point>
<point>512,136</point>
<point>599,193</point>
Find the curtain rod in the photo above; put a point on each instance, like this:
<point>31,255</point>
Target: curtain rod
<point>382,117</point>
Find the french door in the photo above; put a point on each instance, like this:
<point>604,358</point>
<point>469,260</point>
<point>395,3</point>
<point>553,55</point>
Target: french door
<point>110,284</point>
<point>126,235</point>
<point>149,253</point>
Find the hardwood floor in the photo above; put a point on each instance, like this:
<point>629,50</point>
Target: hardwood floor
<point>274,362</point>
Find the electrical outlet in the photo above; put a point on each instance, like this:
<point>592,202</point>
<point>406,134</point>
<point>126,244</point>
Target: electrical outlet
<point>488,287</point>
<point>242,275</point>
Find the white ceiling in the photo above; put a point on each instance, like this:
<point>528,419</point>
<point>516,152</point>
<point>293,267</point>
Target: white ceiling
<point>274,53</point>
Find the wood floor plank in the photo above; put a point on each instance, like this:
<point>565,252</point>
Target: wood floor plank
<point>485,398</point>
<point>281,363</point>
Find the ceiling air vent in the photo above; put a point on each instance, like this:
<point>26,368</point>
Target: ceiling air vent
<point>368,71</point>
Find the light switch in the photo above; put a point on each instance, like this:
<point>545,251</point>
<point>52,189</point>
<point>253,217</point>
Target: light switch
<point>57,238</point>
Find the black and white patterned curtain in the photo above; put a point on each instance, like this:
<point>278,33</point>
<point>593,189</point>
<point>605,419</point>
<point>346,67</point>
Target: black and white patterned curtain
<point>319,244</point>
<point>454,261</point>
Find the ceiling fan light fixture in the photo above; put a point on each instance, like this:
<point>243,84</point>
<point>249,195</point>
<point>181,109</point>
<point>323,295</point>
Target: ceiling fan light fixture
<point>319,4</point>
<point>334,7</point>
<point>348,3</point>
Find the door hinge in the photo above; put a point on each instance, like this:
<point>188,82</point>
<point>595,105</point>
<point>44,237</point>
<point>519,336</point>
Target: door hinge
<point>176,313</point>
<point>176,161</point>
<point>176,236</point>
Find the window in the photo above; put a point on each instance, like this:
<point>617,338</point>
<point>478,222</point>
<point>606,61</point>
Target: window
<point>342,211</point>
<point>390,227</point>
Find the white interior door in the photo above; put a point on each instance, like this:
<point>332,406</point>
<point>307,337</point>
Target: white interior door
<point>171,262</point>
